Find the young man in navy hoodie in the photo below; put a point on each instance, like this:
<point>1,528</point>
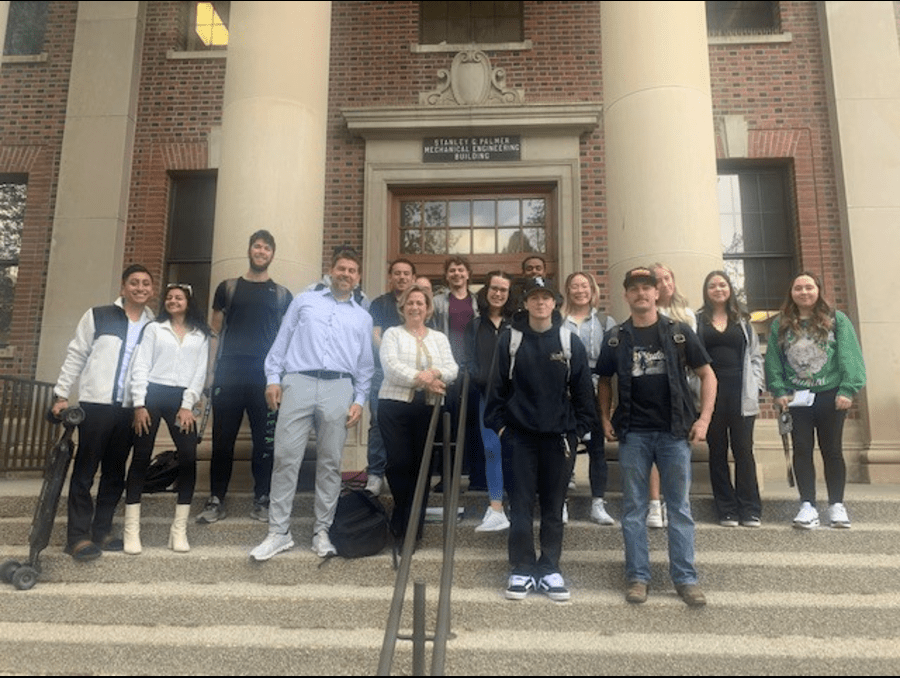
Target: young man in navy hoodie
<point>541,402</point>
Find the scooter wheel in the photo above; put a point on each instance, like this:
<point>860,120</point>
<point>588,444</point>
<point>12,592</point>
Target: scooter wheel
<point>8,569</point>
<point>25,578</point>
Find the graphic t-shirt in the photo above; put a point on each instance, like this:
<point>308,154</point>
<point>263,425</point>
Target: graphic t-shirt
<point>650,397</point>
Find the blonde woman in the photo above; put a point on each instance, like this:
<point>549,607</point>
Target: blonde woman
<point>673,304</point>
<point>582,315</point>
<point>418,365</point>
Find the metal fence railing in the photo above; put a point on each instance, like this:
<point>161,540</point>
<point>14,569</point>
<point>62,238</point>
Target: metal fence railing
<point>25,432</point>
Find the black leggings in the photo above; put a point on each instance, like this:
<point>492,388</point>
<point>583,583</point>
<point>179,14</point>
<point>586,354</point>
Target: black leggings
<point>163,403</point>
<point>820,420</point>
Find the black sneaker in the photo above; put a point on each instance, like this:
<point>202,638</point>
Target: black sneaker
<point>213,511</point>
<point>84,551</point>
<point>110,543</point>
<point>554,587</point>
<point>260,510</point>
<point>519,586</point>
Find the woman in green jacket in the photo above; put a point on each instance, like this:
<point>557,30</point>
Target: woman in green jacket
<point>814,365</point>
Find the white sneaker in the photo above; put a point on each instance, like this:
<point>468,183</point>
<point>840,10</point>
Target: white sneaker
<point>655,515</point>
<point>572,485</point>
<point>554,586</point>
<point>274,543</point>
<point>837,516</point>
<point>808,517</point>
<point>373,484</point>
<point>322,545</point>
<point>566,512</point>
<point>493,521</point>
<point>599,514</point>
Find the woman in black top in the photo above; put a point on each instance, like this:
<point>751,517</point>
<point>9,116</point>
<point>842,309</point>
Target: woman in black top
<point>732,344</point>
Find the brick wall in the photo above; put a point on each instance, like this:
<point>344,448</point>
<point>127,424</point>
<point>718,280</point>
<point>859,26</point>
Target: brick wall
<point>33,97</point>
<point>779,88</point>
<point>180,101</point>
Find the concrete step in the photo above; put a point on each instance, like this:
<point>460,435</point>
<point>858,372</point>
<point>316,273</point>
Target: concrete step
<point>782,601</point>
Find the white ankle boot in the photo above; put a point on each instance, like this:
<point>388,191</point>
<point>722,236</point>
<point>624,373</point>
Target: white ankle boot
<point>132,533</point>
<point>178,534</point>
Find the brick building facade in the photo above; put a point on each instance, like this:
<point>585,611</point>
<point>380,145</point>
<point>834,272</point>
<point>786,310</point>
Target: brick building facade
<point>772,98</point>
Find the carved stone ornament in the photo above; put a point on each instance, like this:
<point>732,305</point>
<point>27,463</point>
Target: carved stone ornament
<point>471,82</point>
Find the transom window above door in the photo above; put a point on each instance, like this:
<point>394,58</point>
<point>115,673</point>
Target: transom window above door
<point>490,231</point>
<point>473,226</point>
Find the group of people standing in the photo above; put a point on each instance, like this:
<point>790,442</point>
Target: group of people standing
<point>540,367</point>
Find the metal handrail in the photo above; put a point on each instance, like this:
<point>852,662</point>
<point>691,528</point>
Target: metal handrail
<point>25,433</point>
<point>451,503</point>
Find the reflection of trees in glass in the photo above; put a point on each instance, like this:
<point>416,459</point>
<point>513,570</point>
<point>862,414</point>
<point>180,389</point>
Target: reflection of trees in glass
<point>520,226</point>
<point>735,271</point>
<point>12,216</point>
<point>535,212</point>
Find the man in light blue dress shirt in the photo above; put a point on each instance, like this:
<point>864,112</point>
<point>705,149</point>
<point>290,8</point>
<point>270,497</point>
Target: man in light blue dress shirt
<point>318,373</point>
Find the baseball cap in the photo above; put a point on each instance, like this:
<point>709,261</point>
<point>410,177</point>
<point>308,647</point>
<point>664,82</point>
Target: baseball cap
<point>535,285</point>
<point>642,274</point>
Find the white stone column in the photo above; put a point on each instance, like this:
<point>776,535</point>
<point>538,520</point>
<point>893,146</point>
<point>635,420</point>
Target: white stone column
<point>660,142</point>
<point>87,249</point>
<point>860,40</point>
<point>272,167</point>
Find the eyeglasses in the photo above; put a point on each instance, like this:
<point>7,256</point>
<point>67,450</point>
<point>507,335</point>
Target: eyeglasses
<point>181,286</point>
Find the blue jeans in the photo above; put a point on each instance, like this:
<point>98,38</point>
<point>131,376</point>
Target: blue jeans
<point>493,457</point>
<point>637,453</point>
<point>376,455</point>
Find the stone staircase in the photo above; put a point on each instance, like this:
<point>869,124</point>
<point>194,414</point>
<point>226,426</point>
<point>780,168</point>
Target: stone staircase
<point>781,601</point>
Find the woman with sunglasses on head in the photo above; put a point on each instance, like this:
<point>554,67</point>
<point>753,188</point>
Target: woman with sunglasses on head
<point>167,378</point>
<point>495,308</point>
<point>581,314</point>
<point>814,365</point>
<point>724,328</point>
<point>673,304</point>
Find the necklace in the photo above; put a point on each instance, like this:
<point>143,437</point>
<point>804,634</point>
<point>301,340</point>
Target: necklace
<point>418,333</point>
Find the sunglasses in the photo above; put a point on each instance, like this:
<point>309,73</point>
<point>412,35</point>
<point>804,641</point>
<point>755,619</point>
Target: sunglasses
<point>185,287</point>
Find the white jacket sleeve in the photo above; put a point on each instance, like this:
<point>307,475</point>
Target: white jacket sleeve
<point>76,355</point>
<point>141,364</point>
<point>192,393</point>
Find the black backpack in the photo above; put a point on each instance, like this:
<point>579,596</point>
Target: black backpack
<point>360,526</point>
<point>162,474</point>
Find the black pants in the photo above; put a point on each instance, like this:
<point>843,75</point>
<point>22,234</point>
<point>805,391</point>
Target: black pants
<point>473,461</point>
<point>541,466</point>
<point>104,441</point>
<point>823,421</point>
<point>598,469</point>
<point>163,403</point>
<point>229,402</point>
<point>728,428</point>
<point>404,429</point>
